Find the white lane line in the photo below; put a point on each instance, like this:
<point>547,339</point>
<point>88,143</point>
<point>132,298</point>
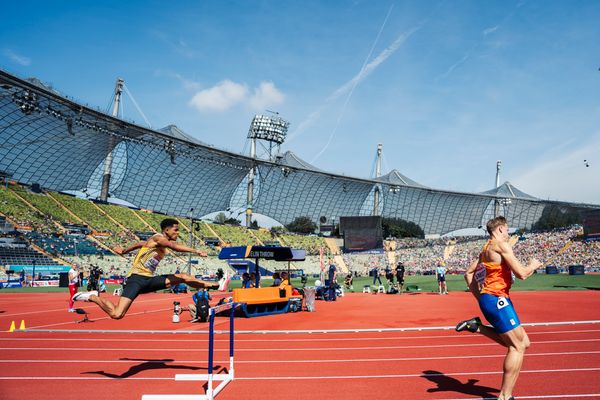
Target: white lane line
<point>329,377</point>
<point>538,371</point>
<point>87,308</point>
<point>80,378</point>
<point>301,331</point>
<point>239,340</point>
<point>402,329</point>
<point>280,349</point>
<point>352,360</point>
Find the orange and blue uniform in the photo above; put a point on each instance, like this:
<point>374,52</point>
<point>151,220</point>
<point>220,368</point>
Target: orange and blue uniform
<point>496,280</point>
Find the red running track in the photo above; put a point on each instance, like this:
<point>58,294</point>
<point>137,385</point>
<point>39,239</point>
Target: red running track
<point>563,361</point>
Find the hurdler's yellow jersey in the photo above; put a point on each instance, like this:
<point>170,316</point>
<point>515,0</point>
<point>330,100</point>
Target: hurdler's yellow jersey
<point>146,261</point>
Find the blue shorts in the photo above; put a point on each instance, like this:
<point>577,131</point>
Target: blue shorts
<point>499,312</point>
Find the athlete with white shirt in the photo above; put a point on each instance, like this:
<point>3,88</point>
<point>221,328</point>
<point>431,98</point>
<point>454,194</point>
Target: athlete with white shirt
<point>73,284</point>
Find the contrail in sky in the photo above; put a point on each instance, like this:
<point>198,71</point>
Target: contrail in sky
<point>364,72</point>
<point>349,86</point>
<point>475,47</point>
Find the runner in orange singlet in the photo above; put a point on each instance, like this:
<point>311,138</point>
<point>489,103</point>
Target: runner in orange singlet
<point>489,278</point>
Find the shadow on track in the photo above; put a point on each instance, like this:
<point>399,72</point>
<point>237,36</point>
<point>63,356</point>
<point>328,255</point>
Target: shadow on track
<point>446,383</point>
<point>146,365</point>
<point>577,287</point>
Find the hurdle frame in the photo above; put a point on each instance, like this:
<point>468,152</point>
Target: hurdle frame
<point>210,377</point>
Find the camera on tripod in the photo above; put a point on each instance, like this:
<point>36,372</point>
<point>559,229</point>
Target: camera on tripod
<point>94,278</point>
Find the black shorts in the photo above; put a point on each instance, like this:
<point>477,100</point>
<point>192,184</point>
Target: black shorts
<point>138,284</point>
<point>441,278</point>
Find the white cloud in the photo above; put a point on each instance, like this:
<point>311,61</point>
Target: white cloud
<point>564,176</point>
<point>227,94</point>
<point>490,30</point>
<point>220,97</point>
<point>266,95</point>
<point>17,58</point>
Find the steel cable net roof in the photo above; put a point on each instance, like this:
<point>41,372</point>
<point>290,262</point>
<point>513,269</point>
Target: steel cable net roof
<point>288,193</point>
<point>51,140</point>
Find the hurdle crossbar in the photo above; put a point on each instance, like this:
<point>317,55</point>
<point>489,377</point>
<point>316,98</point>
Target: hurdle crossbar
<point>211,392</point>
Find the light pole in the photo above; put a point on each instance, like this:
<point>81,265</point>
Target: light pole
<point>270,129</point>
<point>191,215</point>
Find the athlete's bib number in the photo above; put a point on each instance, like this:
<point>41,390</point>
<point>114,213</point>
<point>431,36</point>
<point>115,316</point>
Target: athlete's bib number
<point>480,274</point>
<point>152,263</point>
<point>501,303</point>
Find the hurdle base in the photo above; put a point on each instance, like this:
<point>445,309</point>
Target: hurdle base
<point>225,378</point>
<point>175,397</point>
<point>202,377</point>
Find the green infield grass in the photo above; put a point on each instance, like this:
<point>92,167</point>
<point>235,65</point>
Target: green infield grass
<point>417,283</point>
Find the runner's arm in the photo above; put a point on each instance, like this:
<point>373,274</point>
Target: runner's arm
<point>163,241</point>
<point>515,265</point>
<point>119,250</point>
<point>469,277</point>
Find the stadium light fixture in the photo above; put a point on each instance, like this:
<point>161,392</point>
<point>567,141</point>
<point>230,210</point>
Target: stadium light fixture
<point>286,171</point>
<point>26,101</point>
<point>272,129</point>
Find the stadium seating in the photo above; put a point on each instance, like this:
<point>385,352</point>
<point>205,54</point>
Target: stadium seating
<point>88,212</point>
<point>44,214</point>
<point>23,256</point>
<point>21,213</point>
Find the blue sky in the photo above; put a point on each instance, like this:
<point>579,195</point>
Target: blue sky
<point>448,87</point>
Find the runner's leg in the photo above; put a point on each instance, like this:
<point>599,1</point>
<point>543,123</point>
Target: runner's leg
<point>176,279</point>
<point>517,342</point>
<point>114,311</point>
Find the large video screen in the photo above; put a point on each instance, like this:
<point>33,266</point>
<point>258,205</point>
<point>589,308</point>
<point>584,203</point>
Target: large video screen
<point>591,223</point>
<point>361,233</point>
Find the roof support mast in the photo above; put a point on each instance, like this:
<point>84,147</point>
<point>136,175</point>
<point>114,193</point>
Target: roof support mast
<point>251,173</point>
<point>104,192</point>
<point>497,201</point>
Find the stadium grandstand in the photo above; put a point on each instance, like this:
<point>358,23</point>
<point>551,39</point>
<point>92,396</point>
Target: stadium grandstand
<point>53,147</point>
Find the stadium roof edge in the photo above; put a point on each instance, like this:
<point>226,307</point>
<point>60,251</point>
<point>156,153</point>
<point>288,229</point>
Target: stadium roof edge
<point>303,166</point>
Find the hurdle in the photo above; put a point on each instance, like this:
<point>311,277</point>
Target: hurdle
<point>210,377</point>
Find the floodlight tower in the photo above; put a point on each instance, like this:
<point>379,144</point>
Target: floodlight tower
<point>272,131</point>
<point>376,193</point>
<point>104,192</point>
